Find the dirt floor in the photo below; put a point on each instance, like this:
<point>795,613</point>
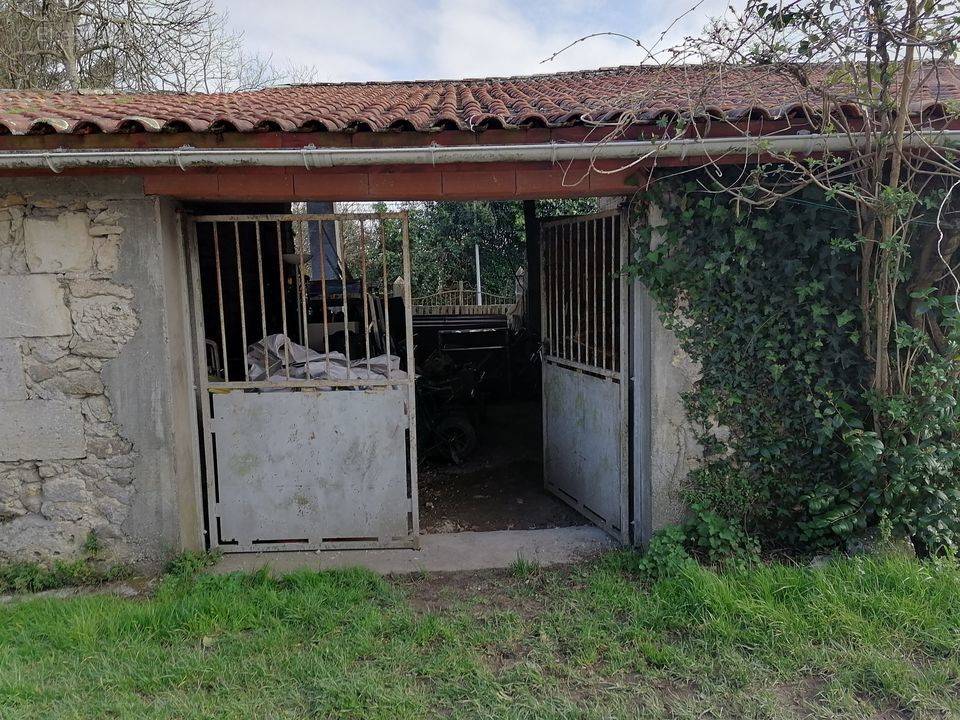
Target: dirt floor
<point>500,487</point>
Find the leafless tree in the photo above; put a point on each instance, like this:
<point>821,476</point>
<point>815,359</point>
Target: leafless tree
<point>141,45</point>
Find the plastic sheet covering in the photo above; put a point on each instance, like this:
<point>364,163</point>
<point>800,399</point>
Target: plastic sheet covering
<point>307,364</point>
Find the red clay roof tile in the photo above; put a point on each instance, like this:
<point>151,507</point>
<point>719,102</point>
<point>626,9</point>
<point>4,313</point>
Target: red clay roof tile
<point>556,100</point>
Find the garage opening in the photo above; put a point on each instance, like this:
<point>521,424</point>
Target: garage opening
<point>345,404</point>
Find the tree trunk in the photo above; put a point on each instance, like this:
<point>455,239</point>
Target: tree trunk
<point>68,46</point>
<point>888,252</point>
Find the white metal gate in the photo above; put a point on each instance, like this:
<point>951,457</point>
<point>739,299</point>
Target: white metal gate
<point>585,390</point>
<point>305,359</point>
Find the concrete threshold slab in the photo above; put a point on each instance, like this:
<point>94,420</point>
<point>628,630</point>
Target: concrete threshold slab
<point>445,552</point>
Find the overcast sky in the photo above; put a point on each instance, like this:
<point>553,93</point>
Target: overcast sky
<point>407,40</point>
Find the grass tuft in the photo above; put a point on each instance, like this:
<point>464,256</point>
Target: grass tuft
<point>190,562</point>
<point>523,568</point>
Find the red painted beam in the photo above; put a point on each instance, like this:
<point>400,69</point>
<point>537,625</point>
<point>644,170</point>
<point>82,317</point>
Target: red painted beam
<point>477,181</point>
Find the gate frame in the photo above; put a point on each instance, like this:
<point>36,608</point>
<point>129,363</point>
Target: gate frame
<point>624,376</point>
<point>204,388</point>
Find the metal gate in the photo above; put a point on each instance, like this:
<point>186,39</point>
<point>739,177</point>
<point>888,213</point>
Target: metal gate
<point>585,400</point>
<point>306,381</point>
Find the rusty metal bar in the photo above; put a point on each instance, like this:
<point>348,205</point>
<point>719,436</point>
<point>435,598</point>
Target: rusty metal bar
<point>243,312</point>
<point>363,293</point>
<point>301,383</point>
<point>563,292</point>
<point>283,298</point>
<point>544,293</point>
<point>569,291</point>
<point>301,255</point>
<point>346,315</point>
<point>614,296</point>
<point>583,314</point>
<point>322,233</point>
<point>263,303</point>
<point>575,229</point>
<point>603,293</point>
<point>386,296</point>
<point>561,318</point>
<point>550,233</point>
<point>223,325</point>
<point>593,282</point>
<point>336,217</point>
<point>557,285</point>
<point>561,221</point>
<point>585,279</point>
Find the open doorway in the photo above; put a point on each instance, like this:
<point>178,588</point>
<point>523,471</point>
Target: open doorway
<point>481,357</point>
<point>357,396</point>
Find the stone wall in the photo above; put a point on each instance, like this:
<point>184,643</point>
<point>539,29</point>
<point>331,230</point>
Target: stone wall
<point>66,467</point>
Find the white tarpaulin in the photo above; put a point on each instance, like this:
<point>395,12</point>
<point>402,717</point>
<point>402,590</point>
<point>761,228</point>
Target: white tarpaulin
<point>268,359</point>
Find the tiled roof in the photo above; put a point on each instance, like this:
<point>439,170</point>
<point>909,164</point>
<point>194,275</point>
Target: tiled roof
<point>557,100</point>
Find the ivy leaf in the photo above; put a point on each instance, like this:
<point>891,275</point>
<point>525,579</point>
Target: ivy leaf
<point>845,317</point>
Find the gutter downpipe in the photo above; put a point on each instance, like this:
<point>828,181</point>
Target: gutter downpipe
<point>312,157</point>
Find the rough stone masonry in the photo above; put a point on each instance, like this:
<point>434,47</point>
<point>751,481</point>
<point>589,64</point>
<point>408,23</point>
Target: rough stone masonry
<point>65,468</point>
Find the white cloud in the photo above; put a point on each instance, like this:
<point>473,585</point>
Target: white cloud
<point>495,39</point>
<point>402,39</point>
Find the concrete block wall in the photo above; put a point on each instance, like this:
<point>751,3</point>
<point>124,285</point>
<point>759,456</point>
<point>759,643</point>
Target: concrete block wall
<point>83,327</point>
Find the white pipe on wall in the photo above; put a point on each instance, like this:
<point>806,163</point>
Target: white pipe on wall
<point>311,157</point>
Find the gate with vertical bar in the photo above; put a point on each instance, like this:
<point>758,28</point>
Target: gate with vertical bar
<point>585,344</point>
<point>306,385</point>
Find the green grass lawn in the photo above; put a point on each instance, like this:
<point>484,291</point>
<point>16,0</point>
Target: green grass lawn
<point>856,638</point>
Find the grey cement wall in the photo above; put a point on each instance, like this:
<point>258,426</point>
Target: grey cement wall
<point>95,373</point>
<point>665,445</point>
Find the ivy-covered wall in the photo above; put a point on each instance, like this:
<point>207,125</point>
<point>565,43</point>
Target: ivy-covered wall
<point>757,314</point>
<point>800,450</point>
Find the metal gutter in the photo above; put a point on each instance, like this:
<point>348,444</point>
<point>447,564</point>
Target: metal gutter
<point>312,157</point>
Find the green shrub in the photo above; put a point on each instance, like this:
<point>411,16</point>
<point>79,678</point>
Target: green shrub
<point>719,540</point>
<point>908,473</point>
<point>666,555</point>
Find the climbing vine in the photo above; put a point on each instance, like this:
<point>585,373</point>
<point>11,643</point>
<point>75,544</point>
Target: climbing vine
<point>798,450</point>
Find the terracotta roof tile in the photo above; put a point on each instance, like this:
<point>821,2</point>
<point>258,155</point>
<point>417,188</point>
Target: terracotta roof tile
<point>539,100</point>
